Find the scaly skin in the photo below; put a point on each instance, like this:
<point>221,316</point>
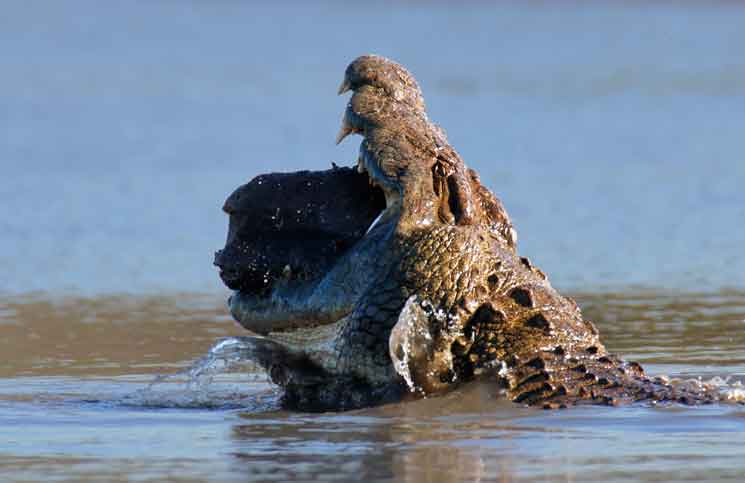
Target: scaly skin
<point>436,293</point>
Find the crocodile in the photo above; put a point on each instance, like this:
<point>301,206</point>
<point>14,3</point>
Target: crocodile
<point>402,278</point>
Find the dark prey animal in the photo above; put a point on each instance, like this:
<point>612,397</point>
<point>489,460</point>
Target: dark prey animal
<point>433,294</point>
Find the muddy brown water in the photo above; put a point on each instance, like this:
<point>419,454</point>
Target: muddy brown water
<point>611,130</point>
<point>75,403</point>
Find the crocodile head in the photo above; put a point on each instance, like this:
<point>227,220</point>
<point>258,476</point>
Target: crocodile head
<point>424,180</point>
<point>292,227</point>
<point>361,285</point>
<point>305,250</point>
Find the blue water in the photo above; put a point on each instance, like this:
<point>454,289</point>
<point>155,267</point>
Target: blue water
<point>612,131</point>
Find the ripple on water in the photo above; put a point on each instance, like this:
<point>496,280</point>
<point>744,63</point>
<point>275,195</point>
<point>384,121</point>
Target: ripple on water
<point>170,374</point>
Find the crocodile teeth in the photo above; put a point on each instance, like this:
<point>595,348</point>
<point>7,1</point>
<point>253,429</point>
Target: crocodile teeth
<point>346,128</point>
<point>344,87</point>
<point>375,222</point>
<point>343,132</point>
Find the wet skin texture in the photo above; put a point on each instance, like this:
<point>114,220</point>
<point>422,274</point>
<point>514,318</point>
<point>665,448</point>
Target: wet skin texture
<point>432,296</point>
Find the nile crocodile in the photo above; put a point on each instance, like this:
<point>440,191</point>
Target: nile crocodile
<point>431,295</point>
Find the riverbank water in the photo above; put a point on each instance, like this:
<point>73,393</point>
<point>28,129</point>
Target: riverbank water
<point>612,131</point>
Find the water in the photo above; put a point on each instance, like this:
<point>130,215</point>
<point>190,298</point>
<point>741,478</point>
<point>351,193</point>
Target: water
<point>79,398</point>
<point>611,131</point>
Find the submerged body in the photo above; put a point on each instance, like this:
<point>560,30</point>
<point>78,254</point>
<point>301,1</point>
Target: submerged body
<point>433,294</point>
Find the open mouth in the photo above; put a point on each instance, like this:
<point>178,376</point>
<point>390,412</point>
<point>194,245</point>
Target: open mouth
<point>289,229</point>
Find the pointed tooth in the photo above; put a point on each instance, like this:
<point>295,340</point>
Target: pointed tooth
<point>346,128</point>
<point>344,87</point>
<point>375,222</point>
<point>343,132</point>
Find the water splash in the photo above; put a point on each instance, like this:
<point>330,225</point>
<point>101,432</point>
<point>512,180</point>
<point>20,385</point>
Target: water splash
<point>727,389</point>
<point>224,378</point>
<point>730,388</point>
<point>229,354</point>
<point>421,359</point>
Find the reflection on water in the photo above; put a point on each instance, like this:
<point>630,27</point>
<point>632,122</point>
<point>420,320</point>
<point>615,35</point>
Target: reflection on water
<point>612,131</point>
<point>66,336</point>
<point>437,441</point>
<point>79,396</point>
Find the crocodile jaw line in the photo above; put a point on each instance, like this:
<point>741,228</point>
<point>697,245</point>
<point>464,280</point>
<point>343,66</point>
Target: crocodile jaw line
<point>392,197</point>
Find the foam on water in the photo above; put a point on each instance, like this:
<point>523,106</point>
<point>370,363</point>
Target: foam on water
<point>730,388</point>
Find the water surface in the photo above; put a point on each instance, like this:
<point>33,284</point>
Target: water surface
<point>77,399</point>
<point>612,131</point>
